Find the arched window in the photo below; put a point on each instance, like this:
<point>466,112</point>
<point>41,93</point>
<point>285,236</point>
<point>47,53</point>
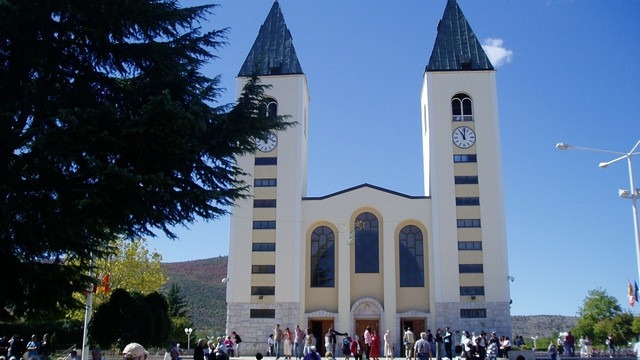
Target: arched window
<point>322,257</point>
<point>269,106</point>
<point>411,257</point>
<point>366,235</point>
<point>461,108</point>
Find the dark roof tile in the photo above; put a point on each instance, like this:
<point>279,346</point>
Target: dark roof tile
<point>456,46</point>
<point>273,49</point>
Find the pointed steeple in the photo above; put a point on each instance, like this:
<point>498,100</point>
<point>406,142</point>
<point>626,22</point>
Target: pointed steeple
<point>457,47</point>
<point>273,49</point>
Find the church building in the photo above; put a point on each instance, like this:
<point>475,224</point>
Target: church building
<point>366,255</point>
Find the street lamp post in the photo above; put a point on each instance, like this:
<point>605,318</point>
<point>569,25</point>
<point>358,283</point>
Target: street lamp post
<point>632,194</point>
<point>534,342</point>
<point>188,331</point>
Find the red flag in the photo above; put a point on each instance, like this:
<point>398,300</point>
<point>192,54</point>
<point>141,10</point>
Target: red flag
<point>104,285</point>
<point>105,282</point>
<point>632,295</point>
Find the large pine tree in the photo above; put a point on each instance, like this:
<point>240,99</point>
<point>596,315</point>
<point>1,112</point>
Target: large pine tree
<point>108,128</point>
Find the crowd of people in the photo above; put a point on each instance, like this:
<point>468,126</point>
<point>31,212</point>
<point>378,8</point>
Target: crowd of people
<point>371,345</point>
<point>14,348</point>
<point>445,344</point>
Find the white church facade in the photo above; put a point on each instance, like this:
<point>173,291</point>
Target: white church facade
<point>369,256</point>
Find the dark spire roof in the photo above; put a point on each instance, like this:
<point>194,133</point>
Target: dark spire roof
<point>457,47</point>
<point>273,49</point>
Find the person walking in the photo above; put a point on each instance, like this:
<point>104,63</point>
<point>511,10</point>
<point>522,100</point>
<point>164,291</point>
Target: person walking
<point>409,341</point>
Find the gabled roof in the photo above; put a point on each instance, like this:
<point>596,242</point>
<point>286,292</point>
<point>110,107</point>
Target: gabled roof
<point>273,49</point>
<point>456,47</point>
<point>365,185</point>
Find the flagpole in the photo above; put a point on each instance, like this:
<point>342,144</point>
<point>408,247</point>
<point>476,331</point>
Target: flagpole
<point>87,317</point>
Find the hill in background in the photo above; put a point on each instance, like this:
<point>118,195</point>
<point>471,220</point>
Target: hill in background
<point>202,288</point>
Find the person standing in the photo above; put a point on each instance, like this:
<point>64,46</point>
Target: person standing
<point>421,349</point>
<point>288,343</point>
<point>409,341</point>
<point>33,347</point>
<point>236,343</point>
<point>466,345</point>
<point>346,346</point>
<point>432,344</point>
<point>438,340</point>
<point>332,339</point>
<point>569,341</point>
<point>357,348</point>
<point>447,338</point>
<point>367,342</point>
<point>612,346</point>
<point>198,351</point>
<point>309,341</point>
<point>553,352</point>
<point>16,347</point>
<point>277,341</point>
<point>298,342</point>
<point>45,347</point>
<point>374,352</point>
<point>388,345</point>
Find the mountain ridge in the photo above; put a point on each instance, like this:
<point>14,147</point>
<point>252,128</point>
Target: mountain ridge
<point>202,288</point>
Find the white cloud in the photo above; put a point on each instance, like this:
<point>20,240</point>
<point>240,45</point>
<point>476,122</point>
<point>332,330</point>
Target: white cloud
<point>496,51</point>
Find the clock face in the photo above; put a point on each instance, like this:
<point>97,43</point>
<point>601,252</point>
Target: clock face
<point>464,137</point>
<point>267,145</point>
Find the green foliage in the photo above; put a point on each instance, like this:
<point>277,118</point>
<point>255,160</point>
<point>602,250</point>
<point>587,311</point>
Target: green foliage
<point>601,315</point>
<point>177,305</point>
<point>178,335</point>
<point>131,267</point>
<point>108,129</point>
<point>204,292</point>
<point>635,326</point>
<point>129,317</point>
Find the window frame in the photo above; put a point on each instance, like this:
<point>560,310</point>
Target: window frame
<point>263,247</point>
<point>418,256</point>
<point>325,252</point>
<point>367,238</point>
<point>264,224</point>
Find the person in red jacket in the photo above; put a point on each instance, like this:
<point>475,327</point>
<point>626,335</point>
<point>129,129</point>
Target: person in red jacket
<point>357,348</point>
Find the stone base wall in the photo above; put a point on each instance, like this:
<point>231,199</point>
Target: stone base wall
<point>498,317</point>
<point>254,332</point>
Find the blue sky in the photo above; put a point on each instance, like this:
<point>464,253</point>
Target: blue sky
<point>569,71</point>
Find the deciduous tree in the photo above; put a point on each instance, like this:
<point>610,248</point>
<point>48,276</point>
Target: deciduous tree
<point>601,315</point>
<point>108,128</point>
